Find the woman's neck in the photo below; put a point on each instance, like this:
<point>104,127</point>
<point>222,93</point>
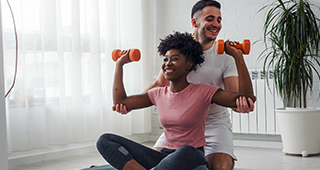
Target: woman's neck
<point>178,86</point>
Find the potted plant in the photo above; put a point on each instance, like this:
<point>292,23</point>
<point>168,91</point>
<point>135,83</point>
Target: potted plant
<point>291,37</point>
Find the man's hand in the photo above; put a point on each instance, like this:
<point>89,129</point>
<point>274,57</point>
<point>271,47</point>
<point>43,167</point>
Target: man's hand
<point>229,49</point>
<point>120,108</point>
<point>242,105</point>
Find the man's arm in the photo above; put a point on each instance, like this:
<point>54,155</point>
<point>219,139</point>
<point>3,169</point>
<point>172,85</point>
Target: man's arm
<point>227,98</point>
<point>231,84</point>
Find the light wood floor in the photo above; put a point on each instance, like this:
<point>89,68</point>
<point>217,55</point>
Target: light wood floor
<point>248,159</point>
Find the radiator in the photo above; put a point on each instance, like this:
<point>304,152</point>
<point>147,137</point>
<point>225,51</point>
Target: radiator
<point>263,119</point>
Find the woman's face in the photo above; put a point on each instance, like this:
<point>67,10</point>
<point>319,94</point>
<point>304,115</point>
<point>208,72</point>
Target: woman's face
<point>175,65</point>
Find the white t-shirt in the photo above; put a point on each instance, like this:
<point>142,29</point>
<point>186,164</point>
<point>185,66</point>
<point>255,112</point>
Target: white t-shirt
<point>212,71</point>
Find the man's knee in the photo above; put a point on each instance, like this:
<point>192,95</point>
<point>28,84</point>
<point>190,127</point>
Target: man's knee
<point>220,161</point>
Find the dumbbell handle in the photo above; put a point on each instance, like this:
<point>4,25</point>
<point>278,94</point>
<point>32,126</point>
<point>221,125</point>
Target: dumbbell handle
<point>245,46</point>
<point>134,54</point>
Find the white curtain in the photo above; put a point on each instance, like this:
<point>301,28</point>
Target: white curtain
<point>63,90</point>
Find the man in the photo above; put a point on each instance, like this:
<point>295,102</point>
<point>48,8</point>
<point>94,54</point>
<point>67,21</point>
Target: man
<point>219,70</point>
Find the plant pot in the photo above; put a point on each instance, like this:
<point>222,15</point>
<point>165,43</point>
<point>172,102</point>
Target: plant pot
<point>300,130</point>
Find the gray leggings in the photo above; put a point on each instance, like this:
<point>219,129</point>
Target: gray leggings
<point>117,151</point>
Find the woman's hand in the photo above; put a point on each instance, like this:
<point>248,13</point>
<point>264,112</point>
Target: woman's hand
<point>124,58</point>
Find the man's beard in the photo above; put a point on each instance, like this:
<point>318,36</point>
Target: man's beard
<point>205,38</point>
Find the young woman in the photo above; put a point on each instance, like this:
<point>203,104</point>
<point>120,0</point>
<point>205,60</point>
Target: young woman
<point>182,108</point>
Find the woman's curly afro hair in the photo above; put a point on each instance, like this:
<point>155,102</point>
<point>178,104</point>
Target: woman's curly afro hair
<point>186,44</point>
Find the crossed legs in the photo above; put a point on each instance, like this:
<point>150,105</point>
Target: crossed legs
<point>123,153</point>
<point>219,149</point>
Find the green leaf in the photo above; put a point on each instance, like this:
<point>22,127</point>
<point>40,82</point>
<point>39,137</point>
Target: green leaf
<point>291,38</point>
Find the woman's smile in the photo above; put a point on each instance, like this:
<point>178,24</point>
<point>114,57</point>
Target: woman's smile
<point>168,70</point>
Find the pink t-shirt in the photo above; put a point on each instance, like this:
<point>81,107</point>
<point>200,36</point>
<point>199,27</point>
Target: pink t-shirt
<point>183,114</point>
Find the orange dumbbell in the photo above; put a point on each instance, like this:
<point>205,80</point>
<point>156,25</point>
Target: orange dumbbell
<point>134,54</point>
<point>245,46</point>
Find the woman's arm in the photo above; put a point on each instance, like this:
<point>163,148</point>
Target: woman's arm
<point>119,93</point>
<point>159,82</point>
<point>227,98</point>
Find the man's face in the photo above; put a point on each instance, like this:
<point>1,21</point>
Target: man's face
<point>209,23</point>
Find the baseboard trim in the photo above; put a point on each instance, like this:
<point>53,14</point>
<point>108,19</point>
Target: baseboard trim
<point>50,153</point>
<point>257,144</point>
<point>154,137</point>
<point>140,138</point>
<point>257,141</point>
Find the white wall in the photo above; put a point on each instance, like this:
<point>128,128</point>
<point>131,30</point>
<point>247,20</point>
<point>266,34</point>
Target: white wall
<point>240,20</point>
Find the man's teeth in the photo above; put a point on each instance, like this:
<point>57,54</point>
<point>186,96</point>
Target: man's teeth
<point>213,31</point>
